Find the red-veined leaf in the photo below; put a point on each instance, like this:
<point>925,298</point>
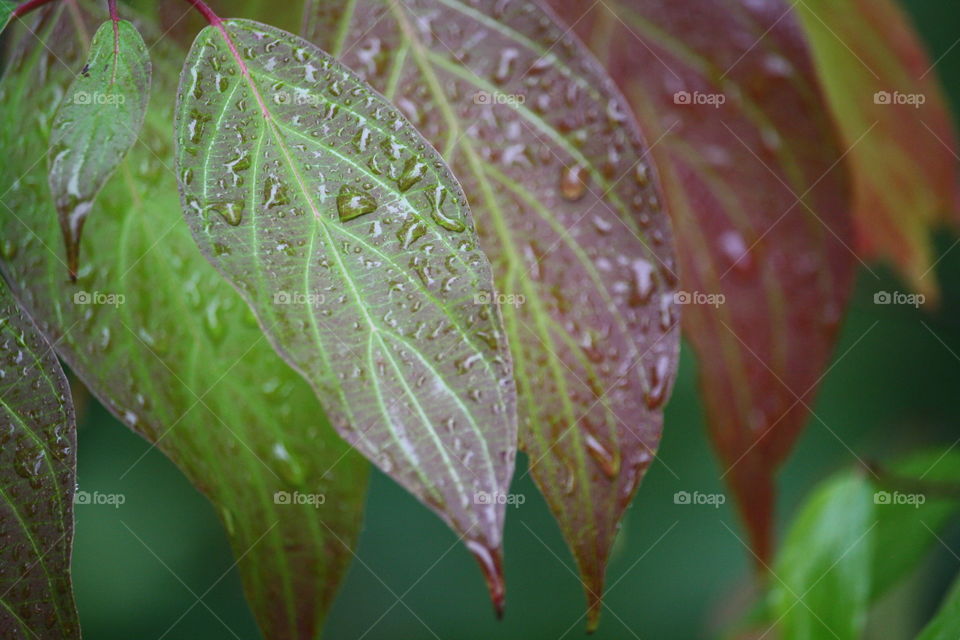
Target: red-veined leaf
<point>758,195</point>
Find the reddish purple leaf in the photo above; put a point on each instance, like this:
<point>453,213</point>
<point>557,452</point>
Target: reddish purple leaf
<point>568,211</point>
<point>758,194</point>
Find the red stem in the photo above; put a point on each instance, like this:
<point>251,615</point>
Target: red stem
<point>114,14</point>
<point>27,7</point>
<point>207,12</point>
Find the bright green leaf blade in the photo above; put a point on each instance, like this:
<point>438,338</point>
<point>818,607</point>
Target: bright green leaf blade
<point>96,125</point>
<point>568,210</point>
<point>38,471</point>
<point>914,503</point>
<point>353,244</point>
<point>821,579</point>
<point>171,349</point>
<point>946,623</point>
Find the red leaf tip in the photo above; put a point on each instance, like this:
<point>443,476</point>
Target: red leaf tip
<point>491,563</point>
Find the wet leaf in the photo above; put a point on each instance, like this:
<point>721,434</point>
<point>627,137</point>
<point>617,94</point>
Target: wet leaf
<point>354,245</point>
<point>170,348</point>
<point>754,182</point>
<point>96,125</point>
<point>821,580</point>
<point>568,209</point>
<point>885,96</point>
<point>38,456</point>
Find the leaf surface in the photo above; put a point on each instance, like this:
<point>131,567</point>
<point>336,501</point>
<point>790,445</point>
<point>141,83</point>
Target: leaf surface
<point>38,458</point>
<point>821,580</point>
<point>353,244</point>
<point>6,13</point>
<point>170,348</point>
<point>95,126</point>
<point>568,209</point>
<point>945,623</point>
<point>884,94</point>
<point>758,194</point>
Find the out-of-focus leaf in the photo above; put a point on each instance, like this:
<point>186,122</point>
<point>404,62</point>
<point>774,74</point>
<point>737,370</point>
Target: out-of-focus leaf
<point>94,128</point>
<point>889,108</point>
<point>907,526</point>
<point>6,13</point>
<point>171,349</point>
<point>752,176</point>
<point>38,460</point>
<point>354,245</point>
<point>821,580</point>
<point>946,624</point>
<point>568,209</point>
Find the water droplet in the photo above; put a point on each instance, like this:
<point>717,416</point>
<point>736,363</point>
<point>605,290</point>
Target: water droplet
<point>657,383</point>
<point>607,461</point>
<point>413,172</point>
<point>353,203</point>
<point>573,183</point>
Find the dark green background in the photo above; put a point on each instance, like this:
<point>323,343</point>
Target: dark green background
<point>140,569</point>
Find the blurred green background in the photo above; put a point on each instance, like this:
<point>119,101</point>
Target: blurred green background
<point>678,572</point>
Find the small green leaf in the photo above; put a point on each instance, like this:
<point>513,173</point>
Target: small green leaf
<point>96,125</point>
<point>821,579</point>
<point>946,624</point>
<point>171,349</point>
<point>38,469</point>
<point>352,242</point>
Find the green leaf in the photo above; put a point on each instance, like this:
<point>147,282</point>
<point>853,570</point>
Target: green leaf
<point>890,110</point>
<point>171,349</point>
<point>38,475</point>
<point>568,210</point>
<point>6,13</point>
<point>821,579</point>
<point>353,244</point>
<point>946,624</point>
<point>908,527</point>
<point>96,125</point>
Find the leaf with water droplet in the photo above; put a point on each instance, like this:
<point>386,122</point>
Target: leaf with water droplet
<point>557,178</point>
<point>886,99</point>
<point>38,459</point>
<point>96,125</point>
<point>765,274</point>
<point>382,288</point>
<point>179,360</point>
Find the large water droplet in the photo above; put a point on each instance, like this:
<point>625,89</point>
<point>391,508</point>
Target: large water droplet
<point>573,183</point>
<point>353,203</point>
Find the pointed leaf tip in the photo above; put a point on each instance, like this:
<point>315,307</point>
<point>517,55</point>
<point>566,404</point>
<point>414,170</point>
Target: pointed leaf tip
<point>491,564</point>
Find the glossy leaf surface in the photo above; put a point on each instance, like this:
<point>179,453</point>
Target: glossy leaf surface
<point>97,123</point>
<point>38,476</point>
<point>754,182</point>
<point>568,210</point>
<point>171,349</point>
<point>885,97</point>
<point>354,245</point>
<point>821,580</point>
